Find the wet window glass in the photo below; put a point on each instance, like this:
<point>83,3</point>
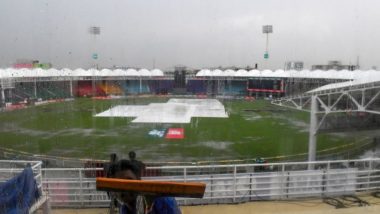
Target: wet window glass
<point>189,83</point>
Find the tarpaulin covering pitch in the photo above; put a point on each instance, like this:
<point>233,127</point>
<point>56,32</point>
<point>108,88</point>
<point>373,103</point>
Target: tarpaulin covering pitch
<point>18,194</point>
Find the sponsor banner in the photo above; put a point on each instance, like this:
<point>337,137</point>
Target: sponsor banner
<point>249,98</point>
<point>14,107</point>
<point>265,90</point>
<point>175,133</point>
<point>101,98</point>
<point>202,96</point>
<point>23,65</point>
<point>157,133</point>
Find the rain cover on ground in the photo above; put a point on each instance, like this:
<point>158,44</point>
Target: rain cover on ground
<point>174,111</point>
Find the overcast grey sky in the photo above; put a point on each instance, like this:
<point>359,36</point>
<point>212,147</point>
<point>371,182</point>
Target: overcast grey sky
<point>198,33</point>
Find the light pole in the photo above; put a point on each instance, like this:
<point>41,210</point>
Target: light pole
<point>95,30</point>
<point>267,29</point>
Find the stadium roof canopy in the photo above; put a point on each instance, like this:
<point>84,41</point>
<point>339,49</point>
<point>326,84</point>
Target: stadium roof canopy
<point>367,79</point>
<point>308,74</point>
<point>354,78</point>
<point>38,72</point>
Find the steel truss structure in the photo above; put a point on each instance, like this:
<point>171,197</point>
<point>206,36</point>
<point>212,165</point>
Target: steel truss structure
<point>360,100</point>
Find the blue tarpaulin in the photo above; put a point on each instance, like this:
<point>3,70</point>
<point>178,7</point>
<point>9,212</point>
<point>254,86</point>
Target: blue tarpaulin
<point>161,205</point>
<point>165,205</point>
<point>18,194</point>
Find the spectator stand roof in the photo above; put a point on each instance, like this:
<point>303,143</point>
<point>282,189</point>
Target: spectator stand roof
<point>366,80</point>
<point>309,74</point>
<point>354,78</point>
<point>38,72</point>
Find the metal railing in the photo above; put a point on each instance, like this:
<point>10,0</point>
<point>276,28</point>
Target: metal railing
<point>73,187</point>
<point>76,187</point>
<point>10,168</point>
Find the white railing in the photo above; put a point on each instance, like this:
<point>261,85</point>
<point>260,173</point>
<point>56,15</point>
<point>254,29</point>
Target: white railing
<point>75,187</point>
<point>10,168</point>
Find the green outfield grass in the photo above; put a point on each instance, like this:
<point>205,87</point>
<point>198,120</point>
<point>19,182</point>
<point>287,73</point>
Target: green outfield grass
<point>68,129</point>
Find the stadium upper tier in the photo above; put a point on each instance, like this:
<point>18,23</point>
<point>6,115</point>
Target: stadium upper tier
<point>22,73</point>
<point>356,78</point>
<point>309,74</point>
<point>350,78</point>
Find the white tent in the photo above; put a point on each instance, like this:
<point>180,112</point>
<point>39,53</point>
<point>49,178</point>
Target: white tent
<point>79,72</point>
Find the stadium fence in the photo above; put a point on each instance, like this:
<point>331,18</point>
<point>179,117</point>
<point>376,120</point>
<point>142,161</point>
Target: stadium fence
<point>76,187</point>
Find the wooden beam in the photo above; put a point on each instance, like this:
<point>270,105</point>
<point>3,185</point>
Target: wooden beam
<point>151,187</point>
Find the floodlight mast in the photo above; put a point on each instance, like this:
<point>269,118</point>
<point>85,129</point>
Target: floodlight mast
<point>95,30</point>
<point>267,29</point>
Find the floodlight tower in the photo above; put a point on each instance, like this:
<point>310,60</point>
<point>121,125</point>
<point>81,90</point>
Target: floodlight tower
<point>267,29</point>
<point>95,30</point>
